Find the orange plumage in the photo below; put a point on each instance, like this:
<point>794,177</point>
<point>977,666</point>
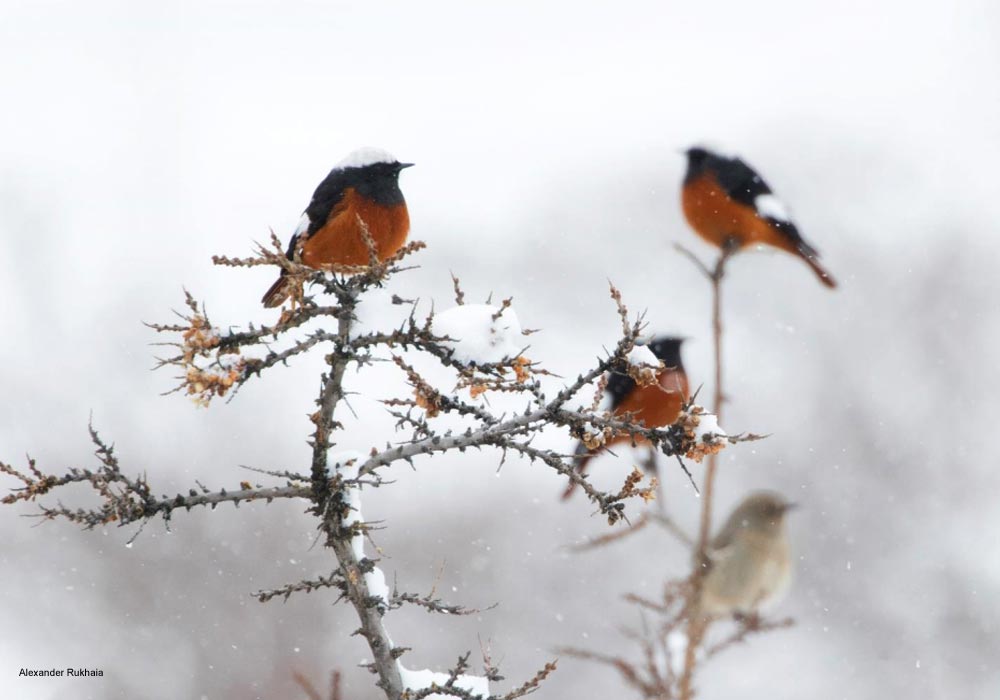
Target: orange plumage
<point>654,406</point>
<point>340,241</point>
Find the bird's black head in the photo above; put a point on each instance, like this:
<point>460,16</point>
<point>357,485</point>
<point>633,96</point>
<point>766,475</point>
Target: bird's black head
<point>699,160</point>
<point>668,349</point>
<point>374,173</point>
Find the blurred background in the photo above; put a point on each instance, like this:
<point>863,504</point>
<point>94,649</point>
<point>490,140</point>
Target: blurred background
<point>139,139</point>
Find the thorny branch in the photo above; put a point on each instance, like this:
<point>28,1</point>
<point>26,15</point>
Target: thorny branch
<point>212,362</point>
<point>128,499</point>
<point>431,603</point>
<point>334,580</point>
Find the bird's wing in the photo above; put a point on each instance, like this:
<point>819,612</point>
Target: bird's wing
<point>325,200</point>
<point>744,185</point>
<point>301,230</point>
<point>727,534</point>
<point>620,385</point>
<point>740,181</point>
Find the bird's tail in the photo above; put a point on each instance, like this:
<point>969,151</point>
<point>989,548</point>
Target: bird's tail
<point>277,293</point>
<point>811,257</point>
<point>581,457</point>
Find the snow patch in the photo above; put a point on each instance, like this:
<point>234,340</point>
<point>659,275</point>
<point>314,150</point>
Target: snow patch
<point>377,312</point>
<point>230,360</point>
<point>642,355</point>
<point>375,580</point>
<point>478,338</point>
<point>769,206</point>
<point>366,156</point>
<point>708,425</point>
<point>347,465</point>
<point>418,680</point>
<point>677,643</point>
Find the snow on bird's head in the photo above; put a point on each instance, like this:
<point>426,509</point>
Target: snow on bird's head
<point>368,155</point>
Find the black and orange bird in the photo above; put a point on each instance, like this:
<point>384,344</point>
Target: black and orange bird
<point>363,187</point>
<point>729,205</point>
<point>656,405</point>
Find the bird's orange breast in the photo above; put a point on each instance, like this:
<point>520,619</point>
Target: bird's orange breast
<point>717,217</point>
<point>340,242</point>
<point>657,405</point>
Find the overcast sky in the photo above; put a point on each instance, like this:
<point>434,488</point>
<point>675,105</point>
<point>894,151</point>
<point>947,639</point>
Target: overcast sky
<point>141,138</point>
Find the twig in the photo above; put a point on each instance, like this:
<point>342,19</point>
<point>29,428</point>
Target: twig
<point>697,624</point>
<point>334,580</point>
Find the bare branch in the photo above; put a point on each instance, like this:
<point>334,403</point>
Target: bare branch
<point>748,627</point>
<point>434,604</point>
<point>334,580</point>
<point>532,685</point>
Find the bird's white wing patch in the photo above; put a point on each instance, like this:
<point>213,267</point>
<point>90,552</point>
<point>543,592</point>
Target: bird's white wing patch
<point>769,206</point>
<point>303,226</point>
<point>300,234</point>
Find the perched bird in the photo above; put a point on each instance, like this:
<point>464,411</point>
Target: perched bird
<point>363,187</point>
<point>748,561</point>
<point>728,204</point>
<point>656,405</point>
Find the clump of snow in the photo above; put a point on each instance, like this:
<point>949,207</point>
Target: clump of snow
<point>367,155</point>
<point>769,206</point>
<point>478,338</point>
<point>231,360</point>
<point>345,463</point>
<point>418,680</point>
<point>642,355</point>
<point>375,580</point>
<point>377,311</point>
<point>677,643</point>
<point>708,425</point>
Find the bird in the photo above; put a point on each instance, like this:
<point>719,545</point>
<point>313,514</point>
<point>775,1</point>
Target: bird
<point>363,187</point>
<point>656,405</point>
<point>728,204</point>
<point>748,561</point>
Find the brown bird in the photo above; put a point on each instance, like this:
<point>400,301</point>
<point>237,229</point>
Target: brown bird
<point>728,204</point>
<point>749,563</point>
<point>656,405</point>
<point>364,187</point>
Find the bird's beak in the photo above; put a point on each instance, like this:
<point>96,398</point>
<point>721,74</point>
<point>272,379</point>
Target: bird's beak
<point>791,506</point>
<point>403,166</point>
